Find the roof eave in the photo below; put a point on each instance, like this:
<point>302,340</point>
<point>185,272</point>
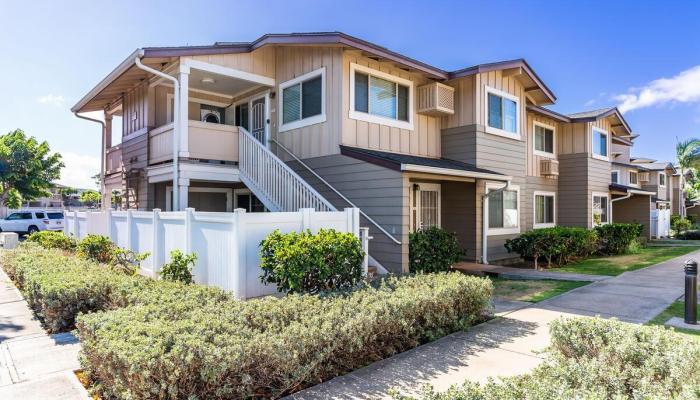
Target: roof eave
<point>548,113</point>
<point>454,172</point>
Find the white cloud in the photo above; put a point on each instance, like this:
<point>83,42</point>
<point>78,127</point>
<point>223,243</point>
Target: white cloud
<point>52,99</point>
<point>682,88</point>
<point>79,170</point>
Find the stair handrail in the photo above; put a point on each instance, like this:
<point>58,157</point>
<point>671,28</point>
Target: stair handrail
<point>275,141</point>
<point>284,165</point>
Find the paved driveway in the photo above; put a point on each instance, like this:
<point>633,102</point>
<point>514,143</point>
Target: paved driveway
<point>509,345</point>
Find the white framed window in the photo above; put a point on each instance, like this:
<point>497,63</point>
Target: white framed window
<point>615,176</point>
<point>634,178</point>
<point>662,179</point>
<point>601,208</point>
<point>502,113</point>
<point>544,140</point>
<point>425,206</point>
<point>599,144</point>
<point>544,209</point>
<point>503,210</point>
<point>302,100</point>
<point>380,98</point>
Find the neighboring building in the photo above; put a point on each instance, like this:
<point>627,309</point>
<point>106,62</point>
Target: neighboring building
<point>327,120</point>
<point>56,199</point>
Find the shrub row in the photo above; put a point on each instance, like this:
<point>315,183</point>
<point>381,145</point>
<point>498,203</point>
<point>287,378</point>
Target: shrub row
<point>561,245</point>
<point>59,286</point>
<point>270,347</point>
<point>598,359</point>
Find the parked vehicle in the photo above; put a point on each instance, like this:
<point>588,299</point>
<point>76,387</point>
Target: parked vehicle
<point>32,221</point>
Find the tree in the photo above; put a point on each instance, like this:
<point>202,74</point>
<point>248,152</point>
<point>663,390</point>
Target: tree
<point>27,168</point>
<point>90,198</point>
<point>688,156</point>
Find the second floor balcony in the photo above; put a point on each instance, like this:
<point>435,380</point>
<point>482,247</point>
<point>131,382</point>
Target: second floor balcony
<point>206,141</point>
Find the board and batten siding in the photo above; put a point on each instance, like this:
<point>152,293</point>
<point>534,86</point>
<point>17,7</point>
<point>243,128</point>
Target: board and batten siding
<point>423,140</point>
<point>533,160</point>
<point>260,61</point>
<point>135,110</point>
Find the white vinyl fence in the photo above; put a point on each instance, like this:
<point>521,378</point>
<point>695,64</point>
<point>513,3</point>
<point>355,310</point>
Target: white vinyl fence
<point>226,244</point>
<point>660,223</point>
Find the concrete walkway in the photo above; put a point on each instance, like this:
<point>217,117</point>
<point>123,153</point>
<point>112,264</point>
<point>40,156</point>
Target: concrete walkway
<point>524,273</point>
<point>509,345</point>
<point>34,365</point>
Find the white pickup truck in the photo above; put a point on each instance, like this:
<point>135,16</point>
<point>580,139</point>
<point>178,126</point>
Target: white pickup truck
<point>30,221</point>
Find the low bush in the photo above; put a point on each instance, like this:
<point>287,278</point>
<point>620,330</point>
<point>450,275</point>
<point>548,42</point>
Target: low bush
<point>53,240</point>
<point>689,235</point>
<point>126,261</point>
<point>617,238</point>
<point>96,248</point>
<point>179,268</point>
<point>267,348</point>
<point>598,359</point>
<point>433,250</point>
<point>311,263</point>
<point>59,286</point>
<point>557,245</point>
<point>681,225</point>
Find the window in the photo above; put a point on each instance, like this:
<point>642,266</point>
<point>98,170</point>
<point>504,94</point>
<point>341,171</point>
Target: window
<point>21,215</point>
<point>303,100</point>
<point>615,176</point>
<point>600,144</point>
<point>55,215</point>
<point>662,179</point>
<point>544,140</point>
<point>634,178</point>
<point>40,215</point>
<point>600,209</point>
<point>503,211</point>
<point>502,113</point>
<point>425,206</point>
<point>544,209</point>
<point>380,98</point>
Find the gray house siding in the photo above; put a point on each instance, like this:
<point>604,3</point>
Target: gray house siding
<point>135,159</point>
<point>459,214</point>
<point>380,192</point>
<point>633,210</point>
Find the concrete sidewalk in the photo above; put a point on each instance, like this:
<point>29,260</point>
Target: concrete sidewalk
<point>509,345</point>
<point>33,364</point>
<point>524,273</point>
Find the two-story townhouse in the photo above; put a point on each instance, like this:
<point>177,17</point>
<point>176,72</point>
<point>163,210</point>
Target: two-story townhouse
<point>326,120</point>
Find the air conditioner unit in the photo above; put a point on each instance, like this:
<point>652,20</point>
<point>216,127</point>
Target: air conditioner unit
<point>549,167</point>
<point>436,99</point>
<point>643,176</point>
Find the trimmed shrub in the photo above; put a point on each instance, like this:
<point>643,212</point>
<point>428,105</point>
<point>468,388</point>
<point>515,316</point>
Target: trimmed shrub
<point>311,263</point>
<point>96,248</point>
<point>53,240</point>
<point>179,268</point>
<point>433,250</point>
<point>267,348</point>
<point>557,245</point>
<point>598,359</point>
<point>689,235</point>
<point>680,224</point>
<point>617,238</point>
<point>58,286</point>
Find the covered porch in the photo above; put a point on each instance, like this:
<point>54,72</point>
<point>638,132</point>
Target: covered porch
<point>630,204</point>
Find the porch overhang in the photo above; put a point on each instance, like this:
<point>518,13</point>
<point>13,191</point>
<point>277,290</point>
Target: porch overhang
<point>631,190</point>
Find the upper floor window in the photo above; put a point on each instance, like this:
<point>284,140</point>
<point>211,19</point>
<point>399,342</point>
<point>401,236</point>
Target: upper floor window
<point>380,98</point>
<point>544,140</point>
<point>662,179</point>
<point>303,100</point>
<point>502,113</point>
<point>504,217</point>
<point>634,178</point>
<point>600,143</point>
<point>615,176</point>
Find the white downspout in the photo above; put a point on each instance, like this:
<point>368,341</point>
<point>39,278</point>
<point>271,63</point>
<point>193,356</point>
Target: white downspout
<point>176,125</point>
<point>102,151</point>
<point>485,221</point>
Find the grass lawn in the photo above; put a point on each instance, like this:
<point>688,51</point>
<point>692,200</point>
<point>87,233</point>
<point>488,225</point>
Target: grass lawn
<point>532,291</point>
<point>615,265</point>
<point>677,309</point>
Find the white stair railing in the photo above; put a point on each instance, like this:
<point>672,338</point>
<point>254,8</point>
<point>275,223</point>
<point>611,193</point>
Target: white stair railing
<point>273,181</point>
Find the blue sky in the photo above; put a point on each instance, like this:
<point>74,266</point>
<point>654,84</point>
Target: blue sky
<point>642,55</point>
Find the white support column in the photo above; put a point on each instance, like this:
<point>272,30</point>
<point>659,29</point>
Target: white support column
<point>183,189</point>
<point>129,228</point>
<point>184,114</point>
<point>155,249</point>
<point>189,222</point>
<point>238,259</point>
<point>106,144</point>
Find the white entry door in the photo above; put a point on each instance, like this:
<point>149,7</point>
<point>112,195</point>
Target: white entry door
<point>425,206</point>
<point>258,120</point>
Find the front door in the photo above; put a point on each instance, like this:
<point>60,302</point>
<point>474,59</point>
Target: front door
<point>425,206</point>
<point>258,122</point>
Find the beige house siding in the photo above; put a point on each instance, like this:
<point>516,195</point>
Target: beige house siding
<point>423,140</point>
<point>135,110</point>
<point>260,61</point>
<point>533,160</point>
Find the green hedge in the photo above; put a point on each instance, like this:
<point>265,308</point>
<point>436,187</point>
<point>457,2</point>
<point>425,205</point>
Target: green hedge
<point>270,347</point>
<point>53,240</point>
<point>59,286</point>
<point>598,359</point>
<point>557,245</point>
<point>433,250</point>
<point>302,262</point>
<point>689,235</point>
<point>617,238</point>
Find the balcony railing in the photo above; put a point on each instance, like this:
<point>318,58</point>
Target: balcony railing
<point>114,160</point>
<point>207,141</point>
